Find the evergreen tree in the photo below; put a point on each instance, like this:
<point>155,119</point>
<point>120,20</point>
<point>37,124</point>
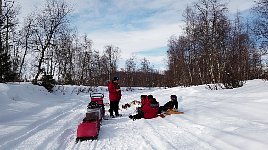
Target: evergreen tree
<point>6,73</point>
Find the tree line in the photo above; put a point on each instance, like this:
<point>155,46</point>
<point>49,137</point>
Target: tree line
<point>214,49</point>
<point>46,46</point>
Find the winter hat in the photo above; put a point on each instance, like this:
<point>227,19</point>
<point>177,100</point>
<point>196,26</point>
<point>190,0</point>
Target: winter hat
<point>115,78</point>
<point>173,97</point>
<point>143,96</point>
<point>150,97</point>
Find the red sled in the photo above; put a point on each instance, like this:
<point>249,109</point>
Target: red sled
<point>89,128</point>
<point>88,131</point>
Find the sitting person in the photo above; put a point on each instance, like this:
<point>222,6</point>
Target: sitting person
<point>148,110</point>
<point>143,99</point>
<point>172,104</point>
<point>139,114</point>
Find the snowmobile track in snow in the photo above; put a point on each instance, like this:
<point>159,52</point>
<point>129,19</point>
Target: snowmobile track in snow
<point>189,137</point>
<point>28,132</point>
<point>160,136</point>
<point>198,134</point>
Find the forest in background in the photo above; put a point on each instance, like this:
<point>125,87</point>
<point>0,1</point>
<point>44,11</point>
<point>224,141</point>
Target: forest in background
<point>214,49</point>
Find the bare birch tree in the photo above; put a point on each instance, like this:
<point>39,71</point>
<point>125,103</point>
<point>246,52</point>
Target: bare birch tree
<point>48,24</point>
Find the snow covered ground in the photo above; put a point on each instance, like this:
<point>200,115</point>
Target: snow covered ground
<point>31,118</point>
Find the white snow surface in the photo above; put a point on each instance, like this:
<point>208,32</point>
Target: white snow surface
<point>33,119</point>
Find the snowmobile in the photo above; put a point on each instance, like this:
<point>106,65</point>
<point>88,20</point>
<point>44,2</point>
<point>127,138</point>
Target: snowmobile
<point>89,128</point>
<point>98,98</point>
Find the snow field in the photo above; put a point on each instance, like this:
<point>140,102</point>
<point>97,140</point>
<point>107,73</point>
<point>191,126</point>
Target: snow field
<point>31,118</point>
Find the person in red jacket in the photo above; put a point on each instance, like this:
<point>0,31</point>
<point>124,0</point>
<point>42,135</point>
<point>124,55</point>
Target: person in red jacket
<point>114,96</point>
<point>144,99</point>
<point>148,110</point>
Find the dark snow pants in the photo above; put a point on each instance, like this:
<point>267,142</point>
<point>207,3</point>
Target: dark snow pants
<point>114,106</point>
<point>139,115</point>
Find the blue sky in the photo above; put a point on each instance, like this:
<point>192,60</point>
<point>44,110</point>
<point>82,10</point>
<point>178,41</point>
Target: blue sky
<point>140,28</point>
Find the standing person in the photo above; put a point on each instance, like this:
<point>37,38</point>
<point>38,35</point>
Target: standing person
<point>114,96</point>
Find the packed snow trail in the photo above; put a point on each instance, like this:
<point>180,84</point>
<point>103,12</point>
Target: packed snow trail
<point>40,132</point>
<point>223,119</point>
